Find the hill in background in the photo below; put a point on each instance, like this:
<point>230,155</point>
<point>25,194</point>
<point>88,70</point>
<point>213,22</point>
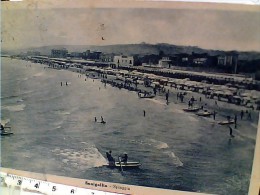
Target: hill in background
<point>140,49</point>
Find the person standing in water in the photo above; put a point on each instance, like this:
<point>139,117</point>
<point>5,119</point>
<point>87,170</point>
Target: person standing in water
<point>242,114</point>
<point>110,158</point>
<point>231,132</point>
<point>167,97</point>
<point>2,129</point>
<point>214,114</point>
<point>235,121</point>
<point>144,112</point>
<point>95,119</point>
<point>249,116</point>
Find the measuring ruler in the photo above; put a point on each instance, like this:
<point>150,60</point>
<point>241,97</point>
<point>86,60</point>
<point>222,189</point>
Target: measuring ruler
<point>17,185</point>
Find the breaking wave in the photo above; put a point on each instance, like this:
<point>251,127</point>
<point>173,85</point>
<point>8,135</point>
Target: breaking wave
<point>166,150</point>
<point>175,159</point>
<point>158,144</point>
<point>5,121</point>
<point>15,108</point>
<point>59,112</point>
<point>86,158</point>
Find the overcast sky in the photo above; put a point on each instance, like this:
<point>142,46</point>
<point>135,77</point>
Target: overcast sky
<point>227,30</point>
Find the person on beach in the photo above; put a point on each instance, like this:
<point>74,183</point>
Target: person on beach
<point>167,96</point>
<point>95,119</point>
<point>154,91</point>
<point>60,83</point>
<point>66,83</point>
<point>181,97</point>
<point>144,112</point>
<point>249,116</point>
<point>200,99</point>
<point>177,95</point>
<point>102,120</point>
<point>235,120</point>
<point>192,100</point>
<point>241,114</point>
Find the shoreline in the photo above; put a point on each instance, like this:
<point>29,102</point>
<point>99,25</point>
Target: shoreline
<point>223,108</point>
<point>243,133</point>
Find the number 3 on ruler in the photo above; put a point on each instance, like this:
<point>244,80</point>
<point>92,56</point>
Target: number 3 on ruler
<point>19,182</point>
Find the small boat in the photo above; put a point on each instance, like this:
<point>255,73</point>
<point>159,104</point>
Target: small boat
<point>193,109</point>
<point>128,165</point>
<point>143,95</point>
<point>205,113</point>
<point>6,133</point>
<point>229,122</point>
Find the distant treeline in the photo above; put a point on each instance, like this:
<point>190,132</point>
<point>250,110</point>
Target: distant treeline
<point>243,66</point>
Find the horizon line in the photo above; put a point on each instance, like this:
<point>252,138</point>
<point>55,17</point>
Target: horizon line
<point>141,43</point>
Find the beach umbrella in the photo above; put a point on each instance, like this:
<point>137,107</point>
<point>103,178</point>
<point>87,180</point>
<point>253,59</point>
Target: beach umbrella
<point>219,92</point>
<point>228,93</point>
<point>232,88</point>
<point>245,94</point>
<point>254,97</point>
<point>156,83</point>
<point>229,84</point>
<point>223,87</point>
<point>247,98</point>
<point>237,97</point>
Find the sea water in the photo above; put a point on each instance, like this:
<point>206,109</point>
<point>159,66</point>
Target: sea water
<point>55,133</point>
